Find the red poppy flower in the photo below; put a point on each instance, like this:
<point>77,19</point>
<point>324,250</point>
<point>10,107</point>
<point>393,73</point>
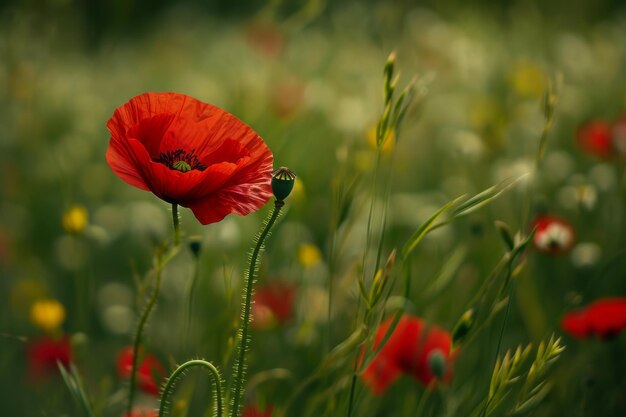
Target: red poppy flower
<point>149,371</point>
<point>414,348</point>
<point>595,138</point>
<point>273,304</point>
<point>554,236</point>
<point>253,411</point>
<point>603,318</point>
<point>142,412</point>
<point>190,153</point>
<point>43,354</point>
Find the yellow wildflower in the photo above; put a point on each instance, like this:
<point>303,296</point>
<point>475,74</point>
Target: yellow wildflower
<point>47,314</point>
<point>75,219</point>
<point>309,255</point>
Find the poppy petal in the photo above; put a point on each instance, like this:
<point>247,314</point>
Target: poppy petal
<point>407,350</point>
<point>150,132</point>
<point>575,325</point>
<point>122,161</point>
<point>204,128</point>
<point>380,374</point>
<point>239,199</point>
<point>142,107</point>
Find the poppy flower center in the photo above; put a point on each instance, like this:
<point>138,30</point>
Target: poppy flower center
<point>180,160</point>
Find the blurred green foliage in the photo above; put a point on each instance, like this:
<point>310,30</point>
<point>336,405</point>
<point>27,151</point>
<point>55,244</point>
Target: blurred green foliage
<point>307,76</point>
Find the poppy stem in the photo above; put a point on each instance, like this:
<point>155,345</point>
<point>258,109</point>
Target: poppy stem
<point>139,331</point>
<point>186,337</point>
<point>243,337</point>
<point>179,373</point>
<point>162,259</point>
<point>176,221</point>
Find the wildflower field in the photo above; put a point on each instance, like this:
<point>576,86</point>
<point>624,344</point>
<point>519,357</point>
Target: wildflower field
<point>310,208</point>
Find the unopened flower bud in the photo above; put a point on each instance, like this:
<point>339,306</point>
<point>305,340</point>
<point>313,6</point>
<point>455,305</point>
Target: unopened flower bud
<point>391,261</point>
<point>195,245</point>
<point>282,183</point>
<point>463,326</point>
<point>437,363</point>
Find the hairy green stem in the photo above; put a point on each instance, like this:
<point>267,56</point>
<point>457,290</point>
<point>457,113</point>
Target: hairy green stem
<point>240,365</point>
<point>178,373</point>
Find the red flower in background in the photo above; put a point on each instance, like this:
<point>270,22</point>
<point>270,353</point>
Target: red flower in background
<point>414,348</point>
<point>253,411</point>
<point>603,139</point>
<point>603,318</point>
<point>595,138</point>
<point>554,236</point>
<point>273,304</point>
<point>149,369</point>
<point>43,354</point>
<point>190,153</point>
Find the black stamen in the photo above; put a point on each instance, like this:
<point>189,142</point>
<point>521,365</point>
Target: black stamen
<point>170,158</point>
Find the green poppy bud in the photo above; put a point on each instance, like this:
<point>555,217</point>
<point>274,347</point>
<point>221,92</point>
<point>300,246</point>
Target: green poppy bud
<point>195,245</point>
<point>437,363</point>
<point>282,183</point>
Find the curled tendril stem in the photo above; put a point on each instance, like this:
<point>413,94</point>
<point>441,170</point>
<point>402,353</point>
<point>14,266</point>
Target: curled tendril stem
<point>178,374</point>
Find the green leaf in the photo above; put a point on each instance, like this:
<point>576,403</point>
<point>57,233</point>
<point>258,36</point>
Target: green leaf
<point>75,385</point>
<point>484,197</point>
<point>505,234</point>
<point>344,349</point>
<point>426,227</point>
<point>534,400</point>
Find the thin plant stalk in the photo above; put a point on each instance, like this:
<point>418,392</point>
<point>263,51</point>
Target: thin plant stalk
<point>244,338</point>
<point>189,295</point>
<point>161,261</point>
<point>176,221</point>
<point>506,317</point>
<point>368,234</point>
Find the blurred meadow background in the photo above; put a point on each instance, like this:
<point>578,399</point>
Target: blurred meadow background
<point>76,242</point>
